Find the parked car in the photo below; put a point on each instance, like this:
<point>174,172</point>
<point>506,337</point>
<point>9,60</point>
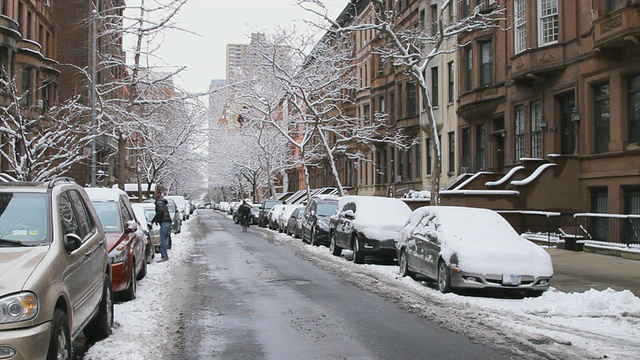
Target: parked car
<point>368,225</point>
<point>255,211</point>
<point>284,216</point>
<point>273,215</point>
<point>176,222</point>
<point>55,276</point>
<point>294,224</point>
<point>263,220</point>
<point>471,248</point>
<point>125,241</point>
<point>315,221</point>
<point>144,213</point>
<point>181,203</point>
<point>233,206</point>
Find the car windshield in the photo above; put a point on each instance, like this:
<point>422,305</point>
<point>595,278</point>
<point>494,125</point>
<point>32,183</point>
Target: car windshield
<point>24,218</point>
<point>327,209</point>
<point>270,203</point>
<point>109,215</point>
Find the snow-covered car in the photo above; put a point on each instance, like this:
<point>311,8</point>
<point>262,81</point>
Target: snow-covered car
<point>273,215</point>
<point>283,218</point>
<point>368,225</point>
<point>471,248</point>
<point>294,225</point>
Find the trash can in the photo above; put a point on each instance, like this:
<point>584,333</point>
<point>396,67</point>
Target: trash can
<point>574,243</point>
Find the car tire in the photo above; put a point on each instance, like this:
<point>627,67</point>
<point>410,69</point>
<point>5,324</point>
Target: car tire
<point>100,327</point>
<point>444,277</point>
<point>60,337</point>
<point>333,247</point>
<point>143,271</point>
<point>130,292</point>
<point>403,262</point>
<point>358,255</point>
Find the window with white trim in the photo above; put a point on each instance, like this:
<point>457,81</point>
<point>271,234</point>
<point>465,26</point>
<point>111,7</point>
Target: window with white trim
<point>536,129</point>
<point>520,26</point>
<point>547,22</point>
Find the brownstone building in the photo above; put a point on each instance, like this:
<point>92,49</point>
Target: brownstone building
<point>75,26</point>
<point>27,55</point>
<point>558,112</point>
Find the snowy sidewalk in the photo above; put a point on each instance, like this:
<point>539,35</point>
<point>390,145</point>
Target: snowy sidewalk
<point>580,271</point>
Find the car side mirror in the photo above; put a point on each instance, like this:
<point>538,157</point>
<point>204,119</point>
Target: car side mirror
<point>132,226</point>
<point>349,214</point>
<point>72,242</point>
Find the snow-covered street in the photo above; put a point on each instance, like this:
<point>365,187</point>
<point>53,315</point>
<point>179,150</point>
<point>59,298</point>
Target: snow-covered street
<point>593,324</point>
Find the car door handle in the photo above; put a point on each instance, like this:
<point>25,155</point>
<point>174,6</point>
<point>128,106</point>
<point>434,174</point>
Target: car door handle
<point>88,253</point>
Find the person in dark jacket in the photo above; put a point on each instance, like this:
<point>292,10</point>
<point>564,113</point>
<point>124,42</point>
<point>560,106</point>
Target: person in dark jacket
<point>163,217</point>
<point>245,213</point>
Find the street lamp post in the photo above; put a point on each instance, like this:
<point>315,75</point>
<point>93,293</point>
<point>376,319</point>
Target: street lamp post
<point>94,121</point>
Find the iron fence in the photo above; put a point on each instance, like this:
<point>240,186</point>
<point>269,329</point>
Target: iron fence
<point>610,228</point>
<point>613,228</point>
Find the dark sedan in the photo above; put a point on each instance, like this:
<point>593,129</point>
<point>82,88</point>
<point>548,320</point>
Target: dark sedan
<point>368,225</point>
<point>315,221</point>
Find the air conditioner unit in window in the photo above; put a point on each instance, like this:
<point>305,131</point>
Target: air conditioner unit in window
<point>398,178</point>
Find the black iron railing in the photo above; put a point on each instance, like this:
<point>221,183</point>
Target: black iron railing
<point>613,228</point>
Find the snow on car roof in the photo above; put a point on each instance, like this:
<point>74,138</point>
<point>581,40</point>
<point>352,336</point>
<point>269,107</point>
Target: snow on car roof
<point>376,216</point>
<point>111,194</point>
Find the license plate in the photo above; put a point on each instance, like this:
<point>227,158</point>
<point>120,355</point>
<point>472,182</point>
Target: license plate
<point>511,279</point>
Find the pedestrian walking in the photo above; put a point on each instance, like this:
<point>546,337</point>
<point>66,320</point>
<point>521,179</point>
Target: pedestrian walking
<point>163,218</point>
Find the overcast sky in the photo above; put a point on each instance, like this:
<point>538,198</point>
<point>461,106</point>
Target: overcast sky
<point>220,23</point>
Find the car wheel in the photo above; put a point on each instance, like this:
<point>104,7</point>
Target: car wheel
<point>143,271</point>
<point>335,249</point>
<point>404,265</point>
<point>358,255</point>
<point>60,339</point>
<point>130,292</point>
<point>444,277</point>
<point>100,327</point>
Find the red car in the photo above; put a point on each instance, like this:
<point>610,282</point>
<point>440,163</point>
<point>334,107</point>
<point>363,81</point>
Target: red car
<point>125,241</point>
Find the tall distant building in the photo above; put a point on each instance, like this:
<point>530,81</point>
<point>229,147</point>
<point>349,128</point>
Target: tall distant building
<point>238,55</point>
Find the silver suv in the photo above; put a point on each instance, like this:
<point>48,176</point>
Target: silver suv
<point>55,276</point>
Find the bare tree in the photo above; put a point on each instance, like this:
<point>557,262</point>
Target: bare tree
<point>38,145</point>
<point>412,49</point>
<point>312,80</point>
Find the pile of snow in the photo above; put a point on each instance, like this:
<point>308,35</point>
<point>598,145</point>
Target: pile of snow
<point>140,325</point>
